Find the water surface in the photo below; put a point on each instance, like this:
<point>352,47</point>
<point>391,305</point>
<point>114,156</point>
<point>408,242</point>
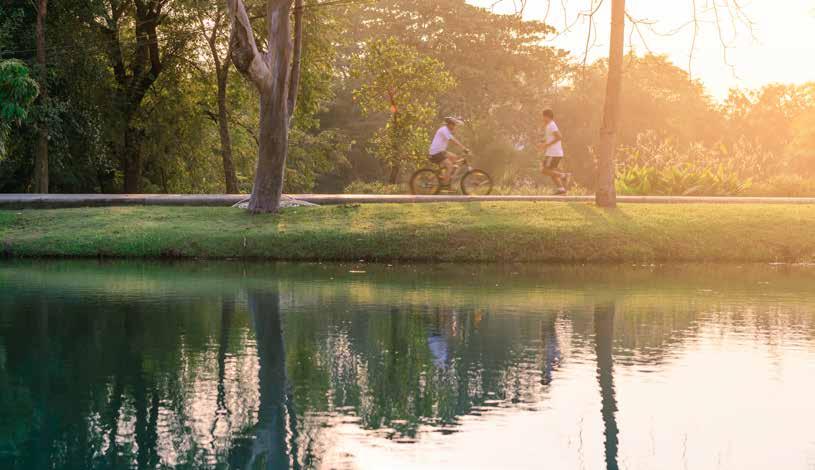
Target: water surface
<point>229,365</point>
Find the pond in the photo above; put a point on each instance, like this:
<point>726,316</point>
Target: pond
<point>234,365</point>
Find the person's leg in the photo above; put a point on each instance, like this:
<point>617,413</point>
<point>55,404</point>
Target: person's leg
<point>548,168</point>
<point>559,177</point>
<point>449,164</point>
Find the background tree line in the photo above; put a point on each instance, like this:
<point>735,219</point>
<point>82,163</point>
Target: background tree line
<point>141,96</point>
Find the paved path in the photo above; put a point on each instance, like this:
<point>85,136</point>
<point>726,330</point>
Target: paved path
<point>31,201</point>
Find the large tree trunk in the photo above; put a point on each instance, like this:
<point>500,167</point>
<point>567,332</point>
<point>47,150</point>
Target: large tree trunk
<point>276,75</point>
<point>272,153</point>
<point>606,194</point>
<point>230,178</point>
<point>131,160</point>
<point>41,156</point>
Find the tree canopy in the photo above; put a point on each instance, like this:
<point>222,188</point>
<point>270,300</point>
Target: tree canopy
<point>143,96</point>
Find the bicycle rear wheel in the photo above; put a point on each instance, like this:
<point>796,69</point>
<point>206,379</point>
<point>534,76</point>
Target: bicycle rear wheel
<point>425,182</point>
<point>476,183</point>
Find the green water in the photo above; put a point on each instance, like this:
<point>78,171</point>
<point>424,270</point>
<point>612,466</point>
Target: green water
<point>147,365</point>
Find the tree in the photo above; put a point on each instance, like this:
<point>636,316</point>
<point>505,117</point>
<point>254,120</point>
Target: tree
<point>398,79</point>
<point>41,157</point>
<point>659,100</point>
<point>134,73</point>
<point>606,195</point>
<point>716,12</point>
<point>213,31</point>
<point>276,75</point>
<point>802,146</point>
<point>17,91</point>
<point>505,72</point>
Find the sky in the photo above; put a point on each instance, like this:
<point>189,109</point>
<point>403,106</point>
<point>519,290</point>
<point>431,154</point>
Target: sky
<point>778,47</point>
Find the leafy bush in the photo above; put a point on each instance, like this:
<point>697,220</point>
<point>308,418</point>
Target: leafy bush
<point>785,185</point>
<point>743,157</point>
<point>17,91</point>
<point>658,167</point>
<point>534,189</point>
<point>681,180</point>
<point>374,187</point>
<point>527,189</point>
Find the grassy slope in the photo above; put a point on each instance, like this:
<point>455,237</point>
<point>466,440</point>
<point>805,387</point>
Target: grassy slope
<point>425,232</point>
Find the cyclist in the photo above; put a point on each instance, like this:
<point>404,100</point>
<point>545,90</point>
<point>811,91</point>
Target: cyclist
<point>438,149</point>
<point>552,147</point>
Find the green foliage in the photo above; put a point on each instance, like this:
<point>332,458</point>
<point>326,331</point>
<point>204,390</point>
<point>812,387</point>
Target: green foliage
<point>654,167</point>
<point>785,185</point>
<point>681,180</point>
<point>374,187</point>
<point>536,187</point>
<point>17,91</point>
<point>396,78</point>
<point>658,98</point>
<point>312,155</point>
<point>504,73</point>
<point>800,150</point>
<point>496,71</point>
<point>528,187</point>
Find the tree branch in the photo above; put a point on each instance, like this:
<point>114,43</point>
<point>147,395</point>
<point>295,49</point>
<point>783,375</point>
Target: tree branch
<point>294,81</point>
<point>245,55</point>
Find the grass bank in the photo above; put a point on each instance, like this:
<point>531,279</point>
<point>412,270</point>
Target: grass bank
<point>496,231</point>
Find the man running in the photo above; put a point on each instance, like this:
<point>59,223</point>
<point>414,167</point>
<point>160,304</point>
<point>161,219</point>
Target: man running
<point>438,149</point>
<point>552,147</point>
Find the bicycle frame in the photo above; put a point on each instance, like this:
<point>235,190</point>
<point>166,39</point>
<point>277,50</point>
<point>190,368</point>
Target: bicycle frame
<point>462,168</point>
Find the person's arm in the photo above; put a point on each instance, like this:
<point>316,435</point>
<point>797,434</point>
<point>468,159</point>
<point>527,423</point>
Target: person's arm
<point>463,147</point>
<point>557,138</point>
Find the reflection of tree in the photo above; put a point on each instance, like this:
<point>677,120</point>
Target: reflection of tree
<point>381,364</point>
<point>97,382</point>
<point>117,379</point>
<point>271,449</point>
<point>227,312</point>
<point>551,348</point>
<point>604,338</point>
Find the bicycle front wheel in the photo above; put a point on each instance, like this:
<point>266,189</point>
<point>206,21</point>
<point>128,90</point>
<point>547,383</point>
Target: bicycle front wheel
<point>425,182</point>
<point>476,183</point>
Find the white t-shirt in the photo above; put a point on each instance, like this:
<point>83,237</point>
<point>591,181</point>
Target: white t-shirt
<point>555,150</point>
<point>441,140</point>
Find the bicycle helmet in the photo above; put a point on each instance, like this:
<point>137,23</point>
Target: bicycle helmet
<point>453,120</point>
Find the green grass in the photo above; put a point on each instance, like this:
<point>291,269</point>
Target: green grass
<point>498,231</point>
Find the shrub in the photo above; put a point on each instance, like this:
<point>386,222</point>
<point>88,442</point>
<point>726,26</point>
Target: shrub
<point>785,185</point>
<point>681,180</point>
<point>374,187</point>
<point>658,167</point>
<point>534,189</point>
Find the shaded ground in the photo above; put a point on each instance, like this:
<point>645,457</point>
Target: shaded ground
<point>488,231</point>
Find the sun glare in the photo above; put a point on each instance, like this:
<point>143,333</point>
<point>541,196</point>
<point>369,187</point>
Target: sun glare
<point>770,50</point>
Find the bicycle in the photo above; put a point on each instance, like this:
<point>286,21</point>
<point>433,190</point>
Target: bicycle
<point>472,181</point>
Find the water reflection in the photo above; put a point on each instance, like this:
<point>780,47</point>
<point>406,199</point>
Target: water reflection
<point>603,337</point>
<point>134,365</point>
<point>276,420</point>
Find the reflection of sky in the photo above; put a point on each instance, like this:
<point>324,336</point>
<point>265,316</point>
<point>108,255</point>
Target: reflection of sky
<point>722,401</point>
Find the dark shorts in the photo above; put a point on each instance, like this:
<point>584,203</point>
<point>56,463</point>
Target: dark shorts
<point>552,163</point>
<point>438,157</point>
